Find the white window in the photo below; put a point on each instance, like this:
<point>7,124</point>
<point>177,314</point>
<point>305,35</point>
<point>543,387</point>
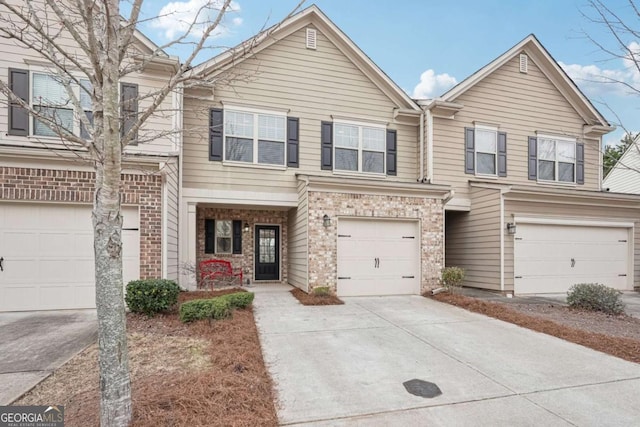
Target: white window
<point>486,146</point>
<point>224,236</point>
<point>50,98</point>
<point>257,138</point>
<point>556,159</point>
<point>359,148</point>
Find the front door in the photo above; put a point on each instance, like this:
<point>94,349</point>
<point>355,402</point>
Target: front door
<point>267,252</point>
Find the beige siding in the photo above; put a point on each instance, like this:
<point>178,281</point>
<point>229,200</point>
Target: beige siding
<point>298,244</point>
<point>566,211</point>
<point>158,127</point>
<point>472,239</point>
<point>520,105</point>
<point>312,85</point>
<point>625,177</point>
<point>171,203</point>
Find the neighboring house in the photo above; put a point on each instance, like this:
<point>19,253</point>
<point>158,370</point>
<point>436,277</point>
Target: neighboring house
<point>624,176</point>
<point>46,191</point>
<point>520,145</point>
<point>306,169</point>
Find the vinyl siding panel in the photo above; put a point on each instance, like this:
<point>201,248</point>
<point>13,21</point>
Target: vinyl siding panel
<point>299,241</point>
<point>473,239</point>
<point>520,105</point>
<point>172,197</point>
<point>566,211</point>
<point>312,85</point>
<point>625,177</point>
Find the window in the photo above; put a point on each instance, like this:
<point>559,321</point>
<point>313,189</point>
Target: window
<point>359,148</point>
<point>223,237</point>
<point>556,160</point>
<point>255,137</point>
<point>51,99</point>
<point>486,151</point>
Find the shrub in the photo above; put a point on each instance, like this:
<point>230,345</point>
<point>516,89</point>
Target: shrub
<point>214,308</point>
<point>595,297</point>
<point>322,291</point>
<point>239,299</point>
<point>452,278</point>
<point>151,296</point>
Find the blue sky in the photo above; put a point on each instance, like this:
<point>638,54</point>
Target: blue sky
<point>445,42</point>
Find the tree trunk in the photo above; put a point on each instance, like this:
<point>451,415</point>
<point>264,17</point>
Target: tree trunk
<point>115,384</point>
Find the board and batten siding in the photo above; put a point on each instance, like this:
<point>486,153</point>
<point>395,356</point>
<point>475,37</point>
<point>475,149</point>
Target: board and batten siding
<point>312,85</point>
<point>171,194</point>
<point>568,211</point>
<point>520,105</point>
<point>473,239</point>
<point>299,240</point>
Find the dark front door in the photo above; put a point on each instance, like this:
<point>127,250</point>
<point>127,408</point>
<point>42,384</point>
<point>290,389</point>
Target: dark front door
<point>267,252</point>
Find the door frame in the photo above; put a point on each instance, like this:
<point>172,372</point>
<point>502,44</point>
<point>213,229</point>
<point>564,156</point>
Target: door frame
<point>279,249</point>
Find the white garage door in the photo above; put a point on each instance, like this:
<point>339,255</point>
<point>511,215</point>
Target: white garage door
<point>48,255</point>
<point>552,258</point>
<point>378,257</point>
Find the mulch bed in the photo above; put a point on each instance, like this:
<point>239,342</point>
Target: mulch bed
<point>199,374</point>
<point>622,347</point>
<point>311,299</point>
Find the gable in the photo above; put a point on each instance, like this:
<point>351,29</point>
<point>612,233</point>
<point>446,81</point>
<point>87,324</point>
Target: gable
<point>625,175</point>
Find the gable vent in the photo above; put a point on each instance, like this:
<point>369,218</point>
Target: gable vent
<point>524,63</point>
<point>311,38</point>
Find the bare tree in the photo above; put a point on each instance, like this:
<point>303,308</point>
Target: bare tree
<point>104,51</point>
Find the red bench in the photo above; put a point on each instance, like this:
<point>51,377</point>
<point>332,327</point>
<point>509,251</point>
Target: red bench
<point>212,270</point>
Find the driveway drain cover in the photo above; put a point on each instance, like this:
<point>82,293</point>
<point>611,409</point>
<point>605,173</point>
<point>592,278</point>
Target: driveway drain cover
<point>422,388</point>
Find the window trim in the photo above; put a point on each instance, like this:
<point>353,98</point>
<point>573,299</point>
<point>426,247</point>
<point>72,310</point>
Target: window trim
<point>495,131</point>
<point>215,237</point>
<point>556,139</point>
<point>360,148</point>
<point>255,112</point>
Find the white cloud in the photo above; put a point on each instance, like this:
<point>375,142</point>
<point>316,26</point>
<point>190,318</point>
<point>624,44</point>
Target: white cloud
<point>600,81</point>
<point>176,17</point>
<point>432,84</point>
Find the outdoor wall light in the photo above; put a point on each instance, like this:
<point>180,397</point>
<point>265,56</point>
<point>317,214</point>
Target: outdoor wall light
<point>511,228</point>
<point>326,221</point>
<point>246,227</point>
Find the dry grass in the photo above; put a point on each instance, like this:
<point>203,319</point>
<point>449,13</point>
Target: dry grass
<point>622,347</point>
<point>200,374</point>
<point>311,299</point>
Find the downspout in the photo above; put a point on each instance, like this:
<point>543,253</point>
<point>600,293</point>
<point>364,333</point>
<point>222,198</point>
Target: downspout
<point>421,175</point>
<point>182,212</point>
<point>503,191</point>
<point>444,226</point>
<point>430,146</point>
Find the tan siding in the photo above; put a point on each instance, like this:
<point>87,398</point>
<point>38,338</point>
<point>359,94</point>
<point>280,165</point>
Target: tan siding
<point>473,239</point>
<point>172,194</point>
<point>313,85</point>
<point>625,178</point>
<point>521,105</point>
<point>604,213</point>
<point>298,241</point>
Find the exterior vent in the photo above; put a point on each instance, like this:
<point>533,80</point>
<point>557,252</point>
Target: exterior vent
<point>311,38</point>
<point>524,63</point>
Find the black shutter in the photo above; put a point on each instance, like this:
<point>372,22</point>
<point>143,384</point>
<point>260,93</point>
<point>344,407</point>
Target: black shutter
<point>129,109</point>
<point>292,142</point>
<point>533,158</point>
<point>579,163</point>
<point>18,116</point>
<point>237,237</point>
<point>469,150</point>
<point>502,154</point>
<point>392,152</point>
<point>326,140</point>
<point>216,116</point>
<point>209,236</point>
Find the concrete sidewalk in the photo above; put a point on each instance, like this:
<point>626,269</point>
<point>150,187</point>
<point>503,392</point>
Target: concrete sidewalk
<point>34,344</point>
<point>346,365</point>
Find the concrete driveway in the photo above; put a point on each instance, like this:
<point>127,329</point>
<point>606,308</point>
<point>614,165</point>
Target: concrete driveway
<point>346,365</point>
<point>34,344</point>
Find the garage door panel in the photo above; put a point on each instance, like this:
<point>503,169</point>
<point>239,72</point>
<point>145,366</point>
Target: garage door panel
<point>552,258</point>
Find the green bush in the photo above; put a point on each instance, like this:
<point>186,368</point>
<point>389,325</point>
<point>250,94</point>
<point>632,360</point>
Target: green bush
<point>452,278</point>
<point>214,308</point>
<point>322,291</point>
<point>151,296</point>
<point>239,299</point>
<point>595,297</point>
